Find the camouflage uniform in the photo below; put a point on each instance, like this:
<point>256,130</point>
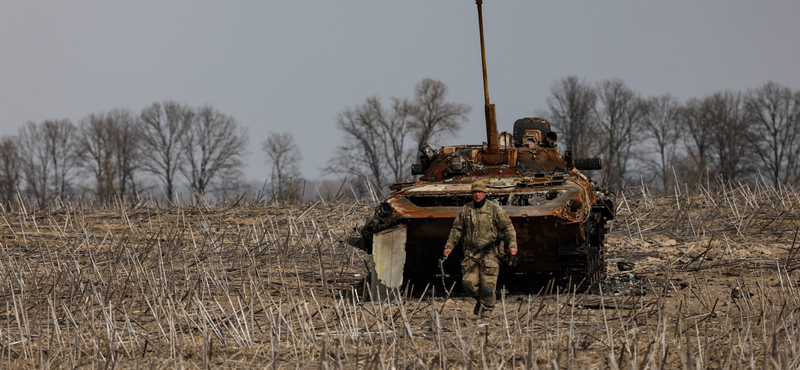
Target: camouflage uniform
<point>479,226</point>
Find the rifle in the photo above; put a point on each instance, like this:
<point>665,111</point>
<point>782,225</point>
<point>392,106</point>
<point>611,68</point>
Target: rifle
<point>489,244</point>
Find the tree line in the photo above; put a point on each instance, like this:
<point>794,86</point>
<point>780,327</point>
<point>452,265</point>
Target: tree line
<point>173,142</point>
<point>727,135</point>
<point>116,148</point>
<point>730,136</point>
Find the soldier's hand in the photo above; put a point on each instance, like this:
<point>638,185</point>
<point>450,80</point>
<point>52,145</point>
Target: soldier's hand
<point>513,251</point>
<point>447,252</point>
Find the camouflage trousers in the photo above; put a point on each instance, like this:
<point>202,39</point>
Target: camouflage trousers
<point>479,278</point>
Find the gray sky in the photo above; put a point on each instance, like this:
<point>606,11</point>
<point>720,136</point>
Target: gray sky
<point>293,65</point>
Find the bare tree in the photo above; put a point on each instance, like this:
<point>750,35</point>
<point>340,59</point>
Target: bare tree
<point>773,114</point>
<point>374,141</point>
<point>160,134</point>
<point>731,137</point>
<point>661,124</point>
<point>716,136</point>
<point>620,121</point>
<point>284,157</point>
<point>127,156</point>
<point>395,125</point>
<point>375,137</point>
<point>97,147</point>
<point>793,162</point>
<point>360,155</point>
<point>108,147</point>
<point>50,156</point>
<point>571,110</point>
<point>697,136</point>
<point>10,169</point>
<point>61,143</point>
<point>434,117</point>
<point>213,143</point>
<point>35,163</point>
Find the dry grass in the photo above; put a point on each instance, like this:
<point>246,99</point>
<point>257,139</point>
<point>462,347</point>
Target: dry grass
<point>257,287</point>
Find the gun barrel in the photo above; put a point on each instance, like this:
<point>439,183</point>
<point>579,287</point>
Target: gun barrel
<point>491,118</point>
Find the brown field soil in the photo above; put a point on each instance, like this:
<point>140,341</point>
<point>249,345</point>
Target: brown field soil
<point>714,284</point>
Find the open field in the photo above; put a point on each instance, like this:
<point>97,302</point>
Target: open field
<point>714,285</point>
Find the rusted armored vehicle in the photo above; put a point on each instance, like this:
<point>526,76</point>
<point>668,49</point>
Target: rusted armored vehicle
<point>558,213</point>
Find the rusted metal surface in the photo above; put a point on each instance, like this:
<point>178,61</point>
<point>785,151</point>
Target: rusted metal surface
<point>558,214</point>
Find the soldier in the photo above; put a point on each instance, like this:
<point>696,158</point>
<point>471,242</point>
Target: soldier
<point>479,222</point>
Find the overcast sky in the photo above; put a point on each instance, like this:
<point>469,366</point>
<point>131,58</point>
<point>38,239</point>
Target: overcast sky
<point>293,65</point>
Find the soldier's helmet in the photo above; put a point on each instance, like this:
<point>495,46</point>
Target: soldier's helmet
<point>479,186</point>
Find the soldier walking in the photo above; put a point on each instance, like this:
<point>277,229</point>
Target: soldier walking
<point>479,222</point>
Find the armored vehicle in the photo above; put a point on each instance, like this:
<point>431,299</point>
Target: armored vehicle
<point>558,213</point>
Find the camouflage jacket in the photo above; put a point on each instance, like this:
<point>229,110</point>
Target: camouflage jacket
<point>478,226</point>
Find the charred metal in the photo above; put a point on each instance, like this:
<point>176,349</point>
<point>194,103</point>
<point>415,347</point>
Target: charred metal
<point>559,215</point>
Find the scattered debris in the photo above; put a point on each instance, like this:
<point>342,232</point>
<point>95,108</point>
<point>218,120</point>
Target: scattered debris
<point>625,266</point>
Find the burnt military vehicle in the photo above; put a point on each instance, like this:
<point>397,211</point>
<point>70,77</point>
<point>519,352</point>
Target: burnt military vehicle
<point>559,215</point>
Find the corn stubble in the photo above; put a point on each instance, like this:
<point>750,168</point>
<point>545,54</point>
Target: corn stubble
<point>274,286</point>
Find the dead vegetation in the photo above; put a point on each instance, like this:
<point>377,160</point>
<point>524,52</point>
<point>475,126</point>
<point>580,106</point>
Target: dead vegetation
<point>713,286</point>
